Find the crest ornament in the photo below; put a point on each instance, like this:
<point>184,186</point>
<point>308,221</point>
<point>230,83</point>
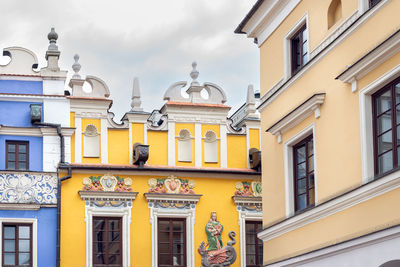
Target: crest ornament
<point>257,188</point>
<point>108,182</point>
<point>247,189</point>
<point>172,185</point>
<point>87,181</point>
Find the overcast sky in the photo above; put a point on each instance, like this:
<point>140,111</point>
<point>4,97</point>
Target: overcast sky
<point>155,40</point>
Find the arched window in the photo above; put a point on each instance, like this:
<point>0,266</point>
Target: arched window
<point>184,146</point>
<point>91,142</point>
<point>210,147</point>
<point>334,12</point>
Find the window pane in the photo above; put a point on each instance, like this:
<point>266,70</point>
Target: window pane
<point>397,92</point>
<point>9,232</point>
<point>24,232</point>
<point>250,249</point>
<point>22,148</point>
<point>22,166</point>
<point>113,236</point>
<point>384,122</point>
<point>385,142</point>
<point>311,164</point>
<point>311,196</point>
<point>23,258</point>
<point>177,237</point>
<point>163,248</point>
<point>163,237</point>
<point>24,245</point>
<point>301,170</point>
<point>178,249</point>
<point>11,165</point>
<point>301,186</point>
<point>22,157</point>
<point>163,226</point>
<point>114,259</point>
<point>250,228</point>
<point>305,34</point>
<point>99,247</point>
<point>9,258</point>
<point>9,245</point>
<point>301,202</point>
<point>311,180</point>
<point>113,248</point>
<point>383,102</point>
<point>99,224</point>
<point>301,152</point>
<point>164,259</point>
<point>177,226</point>
<point>385,162</point>
<point>178,260</point>
<point>11,147</point>
<point>99,258</point>
<point>251,259</point>
<point>11,156</point>
<point>113,225</point>
<point>250,239</point>
<point>99,236</point>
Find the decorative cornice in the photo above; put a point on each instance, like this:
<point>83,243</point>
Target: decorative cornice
<point>172,200</point>
<point>371,60</point>
<point>297,115</point>
<point>248,203</point>
<point>335,205</point>
<point>37,132</point>
<point>107,196</point>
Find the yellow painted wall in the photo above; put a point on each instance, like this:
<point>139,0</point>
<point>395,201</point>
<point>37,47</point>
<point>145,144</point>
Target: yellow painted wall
<point>237,154</point>
<point>216,130</point>
<point>72,125</point>
<point>118,146</point>
<point>137,133</point>
<point>217,196</point>
<point>254,138</point>
<point>337,131</point>
<point>95,122</point>
<point>158,147</point>
<point>178,128</point>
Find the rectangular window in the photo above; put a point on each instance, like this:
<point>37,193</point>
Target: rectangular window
<point>386,124</point>
<point>303,161</point>
<point>17,155</point>
<point>171,242</point>
<point>254,246</point>
<point>107,241</point>
<point>17,244</point>
<point>373,3</point>
<point>299,49</point>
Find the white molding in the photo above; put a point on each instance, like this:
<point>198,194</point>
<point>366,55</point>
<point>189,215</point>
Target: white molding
<point>247,147</point>
<point>145,133</point>
<point>364,193</point>
<point>287,55</point>
<point>34,236</point>
<point>30,98</point>
<point>283,84</point>
<point>366,129</point>
<point>288,167</point>
<point>341,248</point>
<point>371,61</point>
<point>78,139</point>
<point>171,143</point>
<point>243,217</point>
<point>224,147</point>
<point>198,160</point>
<point>130,144</point>
<point>104,141</point>
<point>36,131</point>
<point>297,115</point>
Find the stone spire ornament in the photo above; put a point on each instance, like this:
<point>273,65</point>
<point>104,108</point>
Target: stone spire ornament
<point>52,36</point>
<point>136,102</point>
<point>194,74</point>
<point>76,67</point>
<point>250,100</point>
<point>52,53</point>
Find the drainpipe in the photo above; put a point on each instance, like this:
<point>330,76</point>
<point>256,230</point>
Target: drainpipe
<point>59,180</point>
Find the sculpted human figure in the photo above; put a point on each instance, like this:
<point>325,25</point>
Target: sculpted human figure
<point>214,229</point>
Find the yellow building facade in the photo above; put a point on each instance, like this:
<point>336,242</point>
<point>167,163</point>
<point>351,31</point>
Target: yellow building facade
<point>329,74</point>
<point>141,192</point>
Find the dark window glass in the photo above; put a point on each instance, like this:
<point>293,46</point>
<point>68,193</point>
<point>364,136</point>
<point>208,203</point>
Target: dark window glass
<point>17,245</point>
<point>254,246</point>
<point>303,160</point>
<point>171,242</point>
<point>107,241</point>
<point>17,155</point>
<point>386,114</point>
<point>299,49</point>
<point>372,3</point>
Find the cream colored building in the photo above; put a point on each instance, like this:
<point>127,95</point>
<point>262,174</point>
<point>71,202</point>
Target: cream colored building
<point>329,85</point>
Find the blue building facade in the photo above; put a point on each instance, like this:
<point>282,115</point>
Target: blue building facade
<point>29,156</point>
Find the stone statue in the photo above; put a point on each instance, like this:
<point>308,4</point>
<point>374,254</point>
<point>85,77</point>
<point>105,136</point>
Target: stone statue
<point>216,255</point>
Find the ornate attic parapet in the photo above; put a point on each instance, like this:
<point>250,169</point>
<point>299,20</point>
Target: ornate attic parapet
<point>22,62</point>
<point>28,188</point>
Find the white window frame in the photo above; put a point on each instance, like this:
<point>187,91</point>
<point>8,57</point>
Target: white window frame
<point>287,57</point>
<point>188,214</point>
<point>243,217</point>
<point>288,165</point>
<point>34,235</point>
<point>91,142</point>
<point>366,121</point>
<point>211,148</point>
<point>121,212</point>
<point>183,145</point>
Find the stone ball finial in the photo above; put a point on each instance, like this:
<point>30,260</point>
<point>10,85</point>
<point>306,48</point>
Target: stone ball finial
<point>76,67</point>
<point>194,73</point>
<point>52,36</point>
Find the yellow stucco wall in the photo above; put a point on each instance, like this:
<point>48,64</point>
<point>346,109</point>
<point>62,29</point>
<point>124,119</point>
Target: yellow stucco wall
<point>95,122</point>
<point>216,193</point>
<point>237,154</point>
<point>178,128</point>
<point>118,146</point>
<point>254,138</point>
<point>158,147</point>
<point>137,133</point>
<point>337,131</point>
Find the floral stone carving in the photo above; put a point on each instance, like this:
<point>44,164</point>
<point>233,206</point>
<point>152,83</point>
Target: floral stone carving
<point>216,255</point>
<point>253,189</point>
<point>107,183</point>
<point>171,185</point>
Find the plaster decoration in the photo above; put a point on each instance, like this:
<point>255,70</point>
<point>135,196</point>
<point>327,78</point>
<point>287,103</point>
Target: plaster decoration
<point>136,102</point>
<point>102,199</point>
<point>171,185</point>
<point>38,188</point>
<point>213,254</point>
<point>174,201</point>
<point>110,118</point>
<point>107,183</point>
<point>257,188</point>
<point>248,203</point>
<point>184,146</point>
<point>99,87</point>
<point>232,129</point>
<point>157,121</point>
<point>76,67</point>
<point>91,141</point>
<point>210,147</point>
<point>23,62</point>
<point>253,189</point>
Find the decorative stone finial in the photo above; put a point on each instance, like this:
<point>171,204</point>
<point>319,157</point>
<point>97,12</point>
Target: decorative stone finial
<point>52,36</point>
<point>76,67</point>
<point>250,95</point>
<point>194,74</point>
<point>136,102</point>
